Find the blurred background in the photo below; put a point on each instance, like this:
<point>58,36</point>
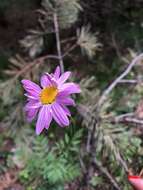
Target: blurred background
<point>98,40</point>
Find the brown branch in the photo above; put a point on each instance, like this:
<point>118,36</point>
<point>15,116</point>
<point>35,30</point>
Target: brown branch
<point>126,81</point>
<point>32,64</point>
<point>69,39</point>
<point>127,119</point>
<point>70,49</point>
<point>40,60</point>
<point>106,173</point>
<point>58,57</point>
<point>117,80</point>
<point>57,33</point>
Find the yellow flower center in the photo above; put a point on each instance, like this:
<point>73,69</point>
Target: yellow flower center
<point>48,95</point>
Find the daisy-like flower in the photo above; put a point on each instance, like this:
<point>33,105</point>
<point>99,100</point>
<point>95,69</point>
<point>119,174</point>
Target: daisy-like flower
<point>50,101</point>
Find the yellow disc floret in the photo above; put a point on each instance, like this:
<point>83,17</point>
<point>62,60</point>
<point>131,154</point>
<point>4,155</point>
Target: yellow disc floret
<point>48,95</point>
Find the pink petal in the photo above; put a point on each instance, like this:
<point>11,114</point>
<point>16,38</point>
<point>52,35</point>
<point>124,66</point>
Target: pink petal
<point>65,101</point>
<point>31,87</point>
<point>31,97</point>
<point>48,116</point>
<point>136,181</point>
<point>33,105</point>
<point>45,82</point>
<point>59,115</point>
<point>66,110</point>
<point>31,114</point>
<point>44,119</point>
<point>51,79</point>
<point>64,77</point>
<point>33,90</point>
<point>57,73</point>
<point>40,125</point>
<point>69,88</point>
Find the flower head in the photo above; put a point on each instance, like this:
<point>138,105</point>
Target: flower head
<point>50,101</point>
<point>136,181</point>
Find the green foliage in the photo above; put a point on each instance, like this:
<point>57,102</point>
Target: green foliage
<point>69,144</point>
<point>96,180</point>
<point>117,143</point>
<point>48,164</point>
<point>66,10</point>
<point>33,44</point>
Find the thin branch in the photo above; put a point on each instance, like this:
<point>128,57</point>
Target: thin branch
<point>126,118</point>
<point>90,137</point>
<point>57,33</point>
<point>106,173</point>
<point>82,164</point>
<point>114,43</point>
<point>69,39</point>
<point>116,119</point>
<point>117,80</point>
<point>126,81</point>
<point>40,61</point>
<point>123,163</point>
<point>133,120</point>
<point>70,49</point>
<point>34,63</point>
<point>88,141</point>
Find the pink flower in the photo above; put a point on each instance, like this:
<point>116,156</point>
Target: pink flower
<point>50,101</point>
<point>136,181</point>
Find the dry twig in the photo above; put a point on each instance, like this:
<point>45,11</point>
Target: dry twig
<point>106,93</point>
<point>126,119</point>
<point>35,62</point>
<point>40,60</point>
<point>106,173</point>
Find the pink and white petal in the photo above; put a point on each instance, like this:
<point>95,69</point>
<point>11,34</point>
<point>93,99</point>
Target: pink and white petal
<point>63,77</point>
<point>30,86</point>
<point>63,93</point>
<point>31,97</point>
<point>40,125</point>
<point>65,101</point>
<point>30,103</point>
<point>57,73</point>
<point>66,110</point>
<point>34,105</point>
<point>32,93</point>
<point>59,115</point>
<point>45,82</point>
<point>70,88</point>
<point>51,79</point>
<point>31,114</point>
<point>48,116</point>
